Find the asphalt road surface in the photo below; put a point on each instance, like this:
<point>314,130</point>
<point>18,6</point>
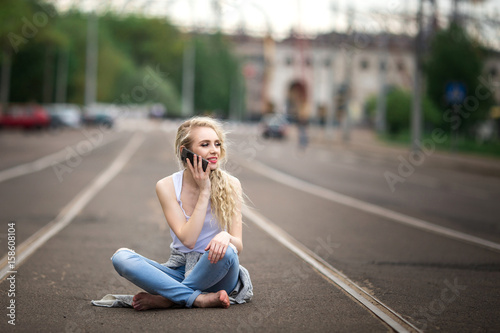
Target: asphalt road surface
<point>338,237</point>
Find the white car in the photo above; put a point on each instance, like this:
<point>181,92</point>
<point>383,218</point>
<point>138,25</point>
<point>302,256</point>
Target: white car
<point>64,115</point>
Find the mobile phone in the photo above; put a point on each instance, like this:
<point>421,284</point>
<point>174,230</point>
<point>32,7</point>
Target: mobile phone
<point>188,154</point>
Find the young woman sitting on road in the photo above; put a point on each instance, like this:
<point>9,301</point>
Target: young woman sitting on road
<point>203,211</point>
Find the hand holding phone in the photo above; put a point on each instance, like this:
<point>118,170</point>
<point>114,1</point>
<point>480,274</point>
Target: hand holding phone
<point>188,154</point>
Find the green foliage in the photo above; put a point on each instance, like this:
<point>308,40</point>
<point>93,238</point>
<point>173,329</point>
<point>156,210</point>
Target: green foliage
<point>75,24</point>
<point>139,59</point>
<point>148,41</point>
<point>112,65</point>
<point>27,70</point>
<point>399,108</point>
<point>454,57</point>
<point>147,85</point>
<point>371,107</point>
<point>166,94</point>
<point>11,16</point>
<point>216,70</point>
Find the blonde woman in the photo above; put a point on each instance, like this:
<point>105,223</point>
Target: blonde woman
<point>203,211</point>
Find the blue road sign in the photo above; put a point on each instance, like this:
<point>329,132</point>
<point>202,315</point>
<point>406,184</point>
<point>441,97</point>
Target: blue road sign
<point>455,92</point>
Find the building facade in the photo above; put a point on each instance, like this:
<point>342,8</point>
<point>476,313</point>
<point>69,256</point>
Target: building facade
<point>336,73</point>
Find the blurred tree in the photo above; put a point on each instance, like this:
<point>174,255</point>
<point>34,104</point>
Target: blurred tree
<point>140,60</point>
<point>35,63</point>
<point>370,109</point>
<point>216,69</point>
<point>34,47</point>
<point>51,39</point>
<point>148,41</point>
<point>74,24</point>
<point>454,57</point>
<point>11,40</point>
<point>136,63</point>
<point>146,86</point>
<point>399,106</point>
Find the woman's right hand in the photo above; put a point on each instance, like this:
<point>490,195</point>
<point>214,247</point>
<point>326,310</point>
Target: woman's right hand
<point>202,178</point>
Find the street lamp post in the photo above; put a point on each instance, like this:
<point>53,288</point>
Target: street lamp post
<point>188,71</point>
<point>381,124</point>
<point>416,123</point>
<point>91,62</point>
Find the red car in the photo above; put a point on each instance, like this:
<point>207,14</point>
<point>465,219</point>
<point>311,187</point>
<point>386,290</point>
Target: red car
<point>25,116</point>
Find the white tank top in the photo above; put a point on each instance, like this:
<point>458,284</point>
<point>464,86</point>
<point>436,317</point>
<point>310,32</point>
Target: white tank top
<point>210,225</point>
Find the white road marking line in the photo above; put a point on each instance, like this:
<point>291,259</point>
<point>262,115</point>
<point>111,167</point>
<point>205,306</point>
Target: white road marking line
<point>43,162</point>
<point>392,318</point>
<point>69,212</point>
<point>367,207</point>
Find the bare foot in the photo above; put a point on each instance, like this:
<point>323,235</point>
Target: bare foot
<point>144,301</point>
<point>219,299</point>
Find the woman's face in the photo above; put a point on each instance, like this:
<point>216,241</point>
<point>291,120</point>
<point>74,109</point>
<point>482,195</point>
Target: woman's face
<point>206,143</point>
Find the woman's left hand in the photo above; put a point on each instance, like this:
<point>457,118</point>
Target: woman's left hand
<point>218,246</point>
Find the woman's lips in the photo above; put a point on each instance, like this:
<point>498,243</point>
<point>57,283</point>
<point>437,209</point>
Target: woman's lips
<point>212,160</point>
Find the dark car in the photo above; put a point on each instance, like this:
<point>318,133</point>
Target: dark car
<point>97,119</point>
<point>31,116</point>
<point>274,126</point>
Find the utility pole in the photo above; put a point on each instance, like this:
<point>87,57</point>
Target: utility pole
<point>91,61</point>
<point>332,110</point>
<point>416,123</point>
<point>217,7</point>
<point>455,15</point>
<point>188,79</point>
<point>381,124</point>
<point>188,72</point>
<point>330,84</point>
<point>62,76</point>
<point>346,135</point>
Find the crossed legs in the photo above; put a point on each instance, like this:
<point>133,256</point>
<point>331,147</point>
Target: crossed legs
<point>166,287</point>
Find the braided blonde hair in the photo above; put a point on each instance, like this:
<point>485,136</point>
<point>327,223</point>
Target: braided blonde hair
<point>224,194</point>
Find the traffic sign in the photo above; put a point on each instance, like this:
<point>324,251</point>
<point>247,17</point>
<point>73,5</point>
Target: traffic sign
<point>455,92</point>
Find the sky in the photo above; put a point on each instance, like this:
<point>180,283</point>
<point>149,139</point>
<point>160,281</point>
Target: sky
<point>280,16</point>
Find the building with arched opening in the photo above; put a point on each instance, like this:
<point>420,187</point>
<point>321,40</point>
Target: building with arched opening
<point>334,71</point>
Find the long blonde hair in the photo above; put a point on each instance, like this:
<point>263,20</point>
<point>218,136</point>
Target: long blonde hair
<point>224,195</point>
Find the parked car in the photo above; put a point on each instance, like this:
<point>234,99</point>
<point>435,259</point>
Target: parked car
<point>157,111</point>
<point>96,118</point>
<point>64,115</point>
<point>274,125</point>
<point>29,116</point>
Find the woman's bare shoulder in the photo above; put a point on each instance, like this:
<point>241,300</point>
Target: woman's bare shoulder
<point>165,185</point>
<point>235,182</point>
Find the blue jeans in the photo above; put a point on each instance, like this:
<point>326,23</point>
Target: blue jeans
<point>170,283</point>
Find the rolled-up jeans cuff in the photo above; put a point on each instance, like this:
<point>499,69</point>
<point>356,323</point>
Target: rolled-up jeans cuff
<point>190,301</point>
